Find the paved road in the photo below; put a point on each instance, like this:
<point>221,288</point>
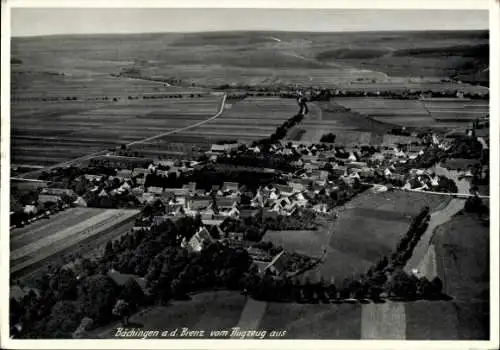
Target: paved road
<point>35,173</point>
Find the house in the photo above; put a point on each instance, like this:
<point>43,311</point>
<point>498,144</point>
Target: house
<point>319,174</point>
<point>198,203</point>
<point>227,147</point>
<point>309,158</point>
<point>257,200</point>
<point>248,213</point>
<point>277,208</point>
<point>199,240</point>
<point>352,157</point>
<point>387,172</point>
<point>59,192</point>
<point>178,192</point>
<point>190,187</point>
<point>300,198</point>
<point>139,172</point>
<point>230,187</point>
<point>166,163</point>
<point>296,186</point>
<point>338,171</point>
<point>278,264</point>
<point>92,178</point>
<point>284,190</point>
<point>124,174</point>
<point>145,198</point>
<point>214,222</point>
<point>175,209</point>
<point>321,208</point>
<point>225,203</point>
<point>80,202</point>
<point>155,190</point>
<point>45,198</point>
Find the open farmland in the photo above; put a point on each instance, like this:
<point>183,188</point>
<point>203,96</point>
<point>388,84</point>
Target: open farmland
<point>436,320</point>
<point>40,139</point>
<point>435,113</point>
<point>44,86</point>
<point>247,120</point>
<point>350,127</point>
<point>368,227</point>
<point>351,61</point>
<point>44,239</point>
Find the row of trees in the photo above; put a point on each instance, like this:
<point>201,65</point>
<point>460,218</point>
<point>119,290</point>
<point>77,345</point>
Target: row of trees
<point>269,288</point>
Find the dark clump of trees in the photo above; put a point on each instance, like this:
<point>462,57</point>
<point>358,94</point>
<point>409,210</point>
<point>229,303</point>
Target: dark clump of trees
<point>330,137</point>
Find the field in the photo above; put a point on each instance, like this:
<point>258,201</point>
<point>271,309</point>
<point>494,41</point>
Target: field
<point>388,61</point>
<point>350,127</point>
<point>72,130</point>
<point>368,227</point>
<point>220,311</point>
<point>444,114</point>
<point>247,120</point>
<point>51,238</point>
<point>67,100</point>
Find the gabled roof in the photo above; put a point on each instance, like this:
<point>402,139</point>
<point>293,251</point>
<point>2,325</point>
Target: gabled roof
<point>284,188</point>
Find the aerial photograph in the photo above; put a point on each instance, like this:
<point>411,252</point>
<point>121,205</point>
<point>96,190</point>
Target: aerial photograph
<point>225,173</point>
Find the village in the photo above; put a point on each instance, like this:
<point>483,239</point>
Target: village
<point>309,182</point>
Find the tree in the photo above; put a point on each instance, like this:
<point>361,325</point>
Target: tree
<point>109,253</point>
<point>132,293</point>
<point>97,295</point>
<point>63,320</point>
<point>436,286</point>
<point>402,285</point>
<point>122,310</point>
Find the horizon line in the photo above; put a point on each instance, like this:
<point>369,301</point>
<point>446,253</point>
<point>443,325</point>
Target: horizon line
<point>255,31</point>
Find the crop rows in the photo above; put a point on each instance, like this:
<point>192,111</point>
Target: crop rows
<point>50,139</point>
<point>417,113</point>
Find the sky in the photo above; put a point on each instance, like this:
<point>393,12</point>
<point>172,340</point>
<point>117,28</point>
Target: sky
<point>46,21</point>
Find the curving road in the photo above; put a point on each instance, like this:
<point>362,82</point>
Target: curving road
<point>100,153</point>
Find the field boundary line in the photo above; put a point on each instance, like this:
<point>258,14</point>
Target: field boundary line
<point>99,153</point>
<point>219,112</point>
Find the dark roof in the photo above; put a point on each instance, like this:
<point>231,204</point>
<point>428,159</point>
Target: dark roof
<point>223,202</point>
<point>283,188</point>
